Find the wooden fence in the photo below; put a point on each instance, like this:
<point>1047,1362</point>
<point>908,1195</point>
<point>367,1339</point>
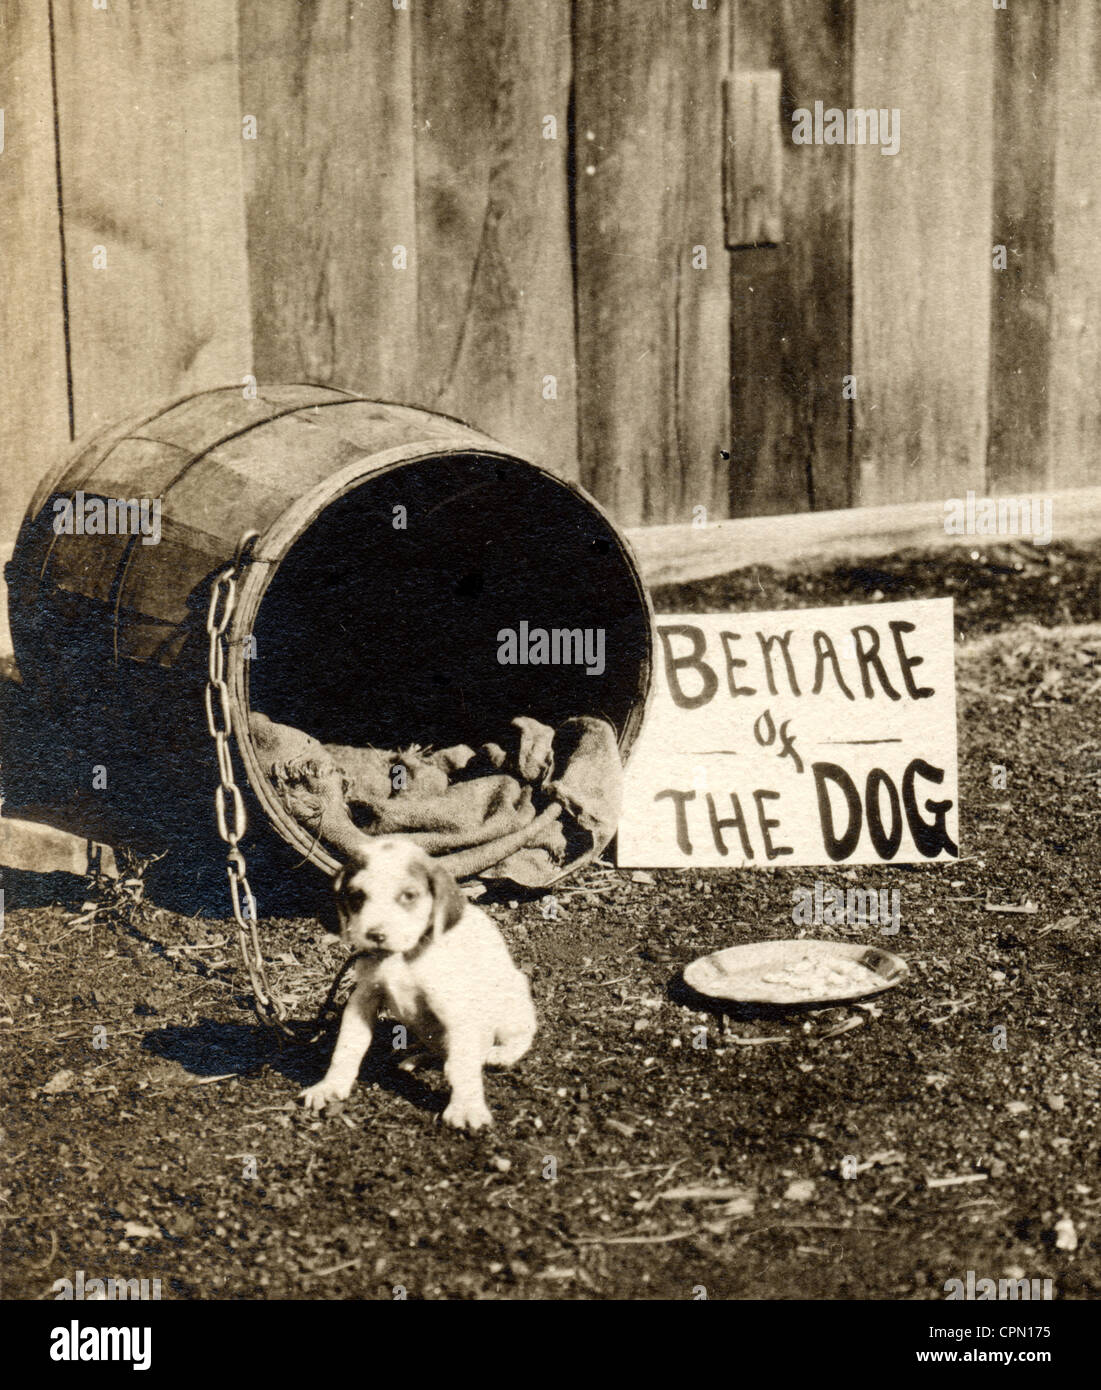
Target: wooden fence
<point>583,225</point>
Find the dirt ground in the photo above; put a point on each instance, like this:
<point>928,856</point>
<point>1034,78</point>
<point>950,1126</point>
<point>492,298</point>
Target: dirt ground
<point>645,1148</point>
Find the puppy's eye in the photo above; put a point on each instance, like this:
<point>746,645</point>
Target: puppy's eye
<point>356,898</point>
<point>407,897</point>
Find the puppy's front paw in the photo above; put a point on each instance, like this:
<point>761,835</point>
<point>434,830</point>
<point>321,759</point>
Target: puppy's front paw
<point>467,1114</point>
<point>317,1097</point>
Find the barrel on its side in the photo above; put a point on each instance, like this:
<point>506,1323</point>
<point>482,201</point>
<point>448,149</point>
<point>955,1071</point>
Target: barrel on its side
<point>394,548</point>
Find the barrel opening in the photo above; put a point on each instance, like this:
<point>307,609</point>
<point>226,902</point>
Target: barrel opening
<point>386,622</point>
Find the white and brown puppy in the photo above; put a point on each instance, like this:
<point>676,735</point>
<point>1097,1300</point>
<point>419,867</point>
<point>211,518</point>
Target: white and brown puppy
<point>434,962</point>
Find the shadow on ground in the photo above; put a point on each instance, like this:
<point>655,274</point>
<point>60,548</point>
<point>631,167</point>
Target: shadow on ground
<point>214,1048</point>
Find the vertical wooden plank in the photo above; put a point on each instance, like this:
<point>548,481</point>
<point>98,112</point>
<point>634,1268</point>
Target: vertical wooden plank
<point>491,82</point>
<point>921,263</point>
<point>1076,320</point>
<point>755,159</point>
<point>330,193</point>
<point>790,307</point>
<point>653,330</point>
<point>150,140</point>
<point>34,400</point>
<point>1020,448</point>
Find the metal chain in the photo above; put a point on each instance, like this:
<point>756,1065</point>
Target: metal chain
<point>229,805</point>
<point>219,722</point>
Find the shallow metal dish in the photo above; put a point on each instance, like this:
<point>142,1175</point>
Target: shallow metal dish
<point>736,973</point>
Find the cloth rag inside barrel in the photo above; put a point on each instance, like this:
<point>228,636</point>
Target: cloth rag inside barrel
<point>524,809</point>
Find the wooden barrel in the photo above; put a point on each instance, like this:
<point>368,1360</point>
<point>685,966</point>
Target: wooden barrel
<point>394,546</point>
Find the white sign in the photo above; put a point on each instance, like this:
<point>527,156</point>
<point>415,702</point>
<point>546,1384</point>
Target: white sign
<point>812,736</point>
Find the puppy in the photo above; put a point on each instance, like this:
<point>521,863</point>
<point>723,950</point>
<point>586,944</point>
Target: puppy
<point>437,964</point>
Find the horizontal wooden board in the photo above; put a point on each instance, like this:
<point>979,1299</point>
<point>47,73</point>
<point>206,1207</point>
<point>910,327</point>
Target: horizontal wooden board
<point>677,554</point>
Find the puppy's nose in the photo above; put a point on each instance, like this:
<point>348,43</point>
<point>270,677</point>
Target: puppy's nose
<point>374,936</point>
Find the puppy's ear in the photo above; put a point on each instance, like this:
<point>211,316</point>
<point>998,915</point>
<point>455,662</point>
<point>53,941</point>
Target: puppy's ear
<point>449,901</point>
<point>358,859</point>
<point>342,877</point>
<point>334,912</point>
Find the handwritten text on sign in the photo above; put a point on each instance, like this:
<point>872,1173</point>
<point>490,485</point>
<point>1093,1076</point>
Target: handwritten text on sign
<point>805,737</point>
